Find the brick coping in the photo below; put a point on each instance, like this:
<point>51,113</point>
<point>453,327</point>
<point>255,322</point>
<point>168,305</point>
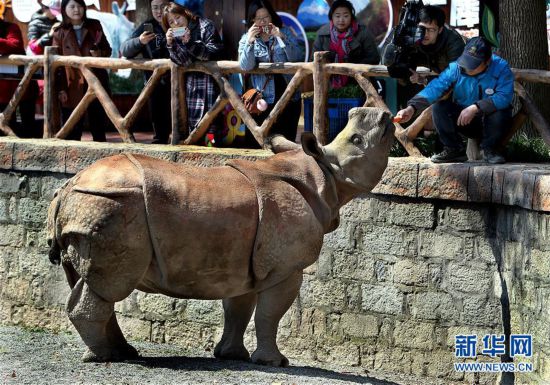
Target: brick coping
<point>522,185</point>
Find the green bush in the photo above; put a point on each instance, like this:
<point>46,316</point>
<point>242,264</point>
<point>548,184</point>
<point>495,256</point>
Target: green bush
<point>131,85</point>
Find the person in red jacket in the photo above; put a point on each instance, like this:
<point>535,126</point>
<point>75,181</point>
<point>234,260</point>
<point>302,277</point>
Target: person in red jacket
<point>11,42</point>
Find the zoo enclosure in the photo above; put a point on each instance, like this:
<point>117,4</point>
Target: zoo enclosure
<point>320,68</point>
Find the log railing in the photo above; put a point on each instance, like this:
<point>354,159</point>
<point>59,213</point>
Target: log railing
<point>320,68</point>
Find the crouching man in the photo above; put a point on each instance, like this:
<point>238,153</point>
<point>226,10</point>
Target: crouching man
<point>479,106</point>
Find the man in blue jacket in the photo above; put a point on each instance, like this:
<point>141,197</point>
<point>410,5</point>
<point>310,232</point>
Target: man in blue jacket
<point>480,104</point>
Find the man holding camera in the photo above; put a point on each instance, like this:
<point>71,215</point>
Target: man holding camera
<point>480,105</point>
<point>440,45</point>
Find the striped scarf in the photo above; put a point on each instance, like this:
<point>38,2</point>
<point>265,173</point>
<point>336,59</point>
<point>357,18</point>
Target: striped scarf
<point>340,43</point>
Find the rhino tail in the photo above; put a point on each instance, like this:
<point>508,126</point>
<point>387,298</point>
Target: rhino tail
<point>53,210</point>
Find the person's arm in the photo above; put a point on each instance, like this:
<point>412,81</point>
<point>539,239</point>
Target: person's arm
<point>247,60</point>
<point>13,42</point>
<point>179,53</point>
<point>503,93</point>
<point>132,47</point>
<point>436,88</point>
<point>209,47</point>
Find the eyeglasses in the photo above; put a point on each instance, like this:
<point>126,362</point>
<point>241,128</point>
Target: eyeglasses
<point>431,30</point>
<point>265,18</point>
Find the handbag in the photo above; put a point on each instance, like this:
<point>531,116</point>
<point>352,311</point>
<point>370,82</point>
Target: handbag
<point>251,97</point>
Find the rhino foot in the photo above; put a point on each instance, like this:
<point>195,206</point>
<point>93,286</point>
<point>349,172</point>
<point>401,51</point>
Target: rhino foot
<point>121,353</point>
<point>238,353</point>
<point>275,359</point>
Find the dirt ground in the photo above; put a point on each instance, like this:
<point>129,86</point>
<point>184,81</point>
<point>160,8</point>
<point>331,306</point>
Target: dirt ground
<point>39,357</point>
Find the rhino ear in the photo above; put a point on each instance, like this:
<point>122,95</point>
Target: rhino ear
<point>311,146</point>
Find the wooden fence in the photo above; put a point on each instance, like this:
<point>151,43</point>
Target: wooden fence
<point>321,69</point>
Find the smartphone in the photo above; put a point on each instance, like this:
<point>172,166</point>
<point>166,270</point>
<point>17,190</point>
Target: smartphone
<point>179,31</point>
<point>267,29</point>
<point>148,27</point>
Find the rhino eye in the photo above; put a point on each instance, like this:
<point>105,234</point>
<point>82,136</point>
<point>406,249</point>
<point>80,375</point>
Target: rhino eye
<point>356,139</point>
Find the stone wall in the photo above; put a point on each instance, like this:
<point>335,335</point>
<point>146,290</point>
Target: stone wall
<point>436,251</point>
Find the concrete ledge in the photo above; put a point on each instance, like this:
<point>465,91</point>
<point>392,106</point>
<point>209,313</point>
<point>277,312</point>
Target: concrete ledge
<point>523,185</point>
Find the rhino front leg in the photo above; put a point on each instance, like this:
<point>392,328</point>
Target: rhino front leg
<point>95,321</point>
<point>272,305</point>
<point>237,313</point>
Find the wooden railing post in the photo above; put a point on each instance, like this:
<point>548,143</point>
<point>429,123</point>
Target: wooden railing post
<point>320,96</point>
<point>180,129</point>
<point>52,119</point>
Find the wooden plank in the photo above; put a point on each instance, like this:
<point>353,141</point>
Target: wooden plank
<point>320,96</point>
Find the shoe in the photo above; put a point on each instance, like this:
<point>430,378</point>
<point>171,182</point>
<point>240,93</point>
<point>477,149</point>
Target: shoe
<point>449,155</point>
<point>492,157</point>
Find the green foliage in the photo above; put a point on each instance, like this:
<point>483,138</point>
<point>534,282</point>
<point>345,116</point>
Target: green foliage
<point>349,91</point>
<point>523,149</point>
<point>131,85</point>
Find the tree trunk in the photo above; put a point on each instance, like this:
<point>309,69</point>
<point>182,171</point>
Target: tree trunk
<point>524,44</point>
<point>143,11</point>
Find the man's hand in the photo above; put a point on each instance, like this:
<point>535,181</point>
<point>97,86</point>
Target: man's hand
<point>404,115</point>
<point>63,97</point>
<point>467,115</point>
<point>416,78</point>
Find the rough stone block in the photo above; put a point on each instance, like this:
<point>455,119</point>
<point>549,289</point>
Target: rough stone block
<point>27,156</point>
<point>481,312</point>
<point>518,188</point>
<point>353,266</point>
<point>135,329</point>
<point>366,208</point>
<point>12,235</point>
<point>498,184</point>
<point>156,307</point>
<point>541,193</point>
<point>4,207</point>
<point>386,360</point>
<point>411,272</point>
<point>469,278</point>
<point>435,306</point>
<point>480,183</point>
<point>6,155</point>
<point>12,183</point>
<point>382,299</point>
<point>192,335</point>
<point>448,181</point>
<point>33,211</point>
<point>205,312</point>
<point>464,219</point>
<point>392,241</point>
<point>480,332</point>
<point>329,295</point>
<point>540,265</point>
<point>414,335</point>
<point>49,185</point>
<point>414,215</point>
<point>359,325</point>
<point>440,245</point>
<point>400,178</point>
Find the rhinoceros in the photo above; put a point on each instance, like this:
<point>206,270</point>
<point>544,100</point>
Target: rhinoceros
<point>242,232</point>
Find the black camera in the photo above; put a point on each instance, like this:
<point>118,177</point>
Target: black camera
<point>400,51</point>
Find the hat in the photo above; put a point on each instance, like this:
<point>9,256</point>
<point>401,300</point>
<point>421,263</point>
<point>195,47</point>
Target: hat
<point>476,51</point>
<point>53,5</point>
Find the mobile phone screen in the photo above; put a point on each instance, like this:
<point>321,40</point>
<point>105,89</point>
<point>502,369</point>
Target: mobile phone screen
<point>148,27</point>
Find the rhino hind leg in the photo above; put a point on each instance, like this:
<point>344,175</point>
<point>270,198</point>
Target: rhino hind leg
<point>272,305</point>
<point>237,313</point>
<point>95,320</point>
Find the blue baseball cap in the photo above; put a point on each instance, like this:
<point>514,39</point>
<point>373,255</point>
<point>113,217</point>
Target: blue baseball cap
<point>476,51</point>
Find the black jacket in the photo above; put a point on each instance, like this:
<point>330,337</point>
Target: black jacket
<point>155,49</point>
<point>447,48</point>
<point>363,47</point>
<point>39,29</point>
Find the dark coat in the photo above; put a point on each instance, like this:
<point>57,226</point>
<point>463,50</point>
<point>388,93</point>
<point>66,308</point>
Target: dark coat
<point>363,47</point>
<point>39,32</point>
<point>447,48</point>
<point>70,79</point>
<point>155,49</point>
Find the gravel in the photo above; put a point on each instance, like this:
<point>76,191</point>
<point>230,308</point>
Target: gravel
<point>40,357</point>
